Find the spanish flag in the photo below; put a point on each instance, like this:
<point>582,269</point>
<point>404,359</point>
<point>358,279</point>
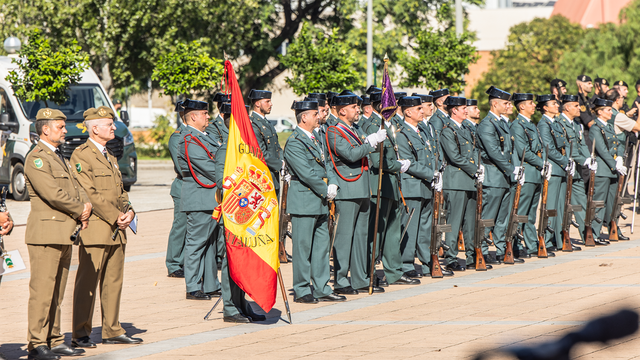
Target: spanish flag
<point>249,207</point>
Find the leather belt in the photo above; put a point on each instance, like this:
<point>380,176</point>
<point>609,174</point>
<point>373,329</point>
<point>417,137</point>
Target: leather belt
<point>296,178</point>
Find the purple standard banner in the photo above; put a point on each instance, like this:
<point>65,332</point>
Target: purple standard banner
<point>389,104</point>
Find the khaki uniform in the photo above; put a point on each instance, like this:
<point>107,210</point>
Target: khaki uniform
<point>101,258</point>
<point>57,200</point>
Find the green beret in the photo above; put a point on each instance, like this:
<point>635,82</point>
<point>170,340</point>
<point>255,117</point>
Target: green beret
<point>103,112</point>
<point>50,114</point>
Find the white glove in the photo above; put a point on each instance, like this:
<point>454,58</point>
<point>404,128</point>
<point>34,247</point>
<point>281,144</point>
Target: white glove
<point>332,191</point>
<point>522,180</point>
<point>619,162</point>
<point>480,174</point>
<point>621,169</point>
<point>287,177</point>
<point>591,164</point>
<point>376,138</point>
<point>283,169</point>
<point>547,168</point>
<point>405,165</point>
<point>436,184</point>
<point>571,167</point>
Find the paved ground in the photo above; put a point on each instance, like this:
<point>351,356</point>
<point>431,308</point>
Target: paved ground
<point>441,318</point>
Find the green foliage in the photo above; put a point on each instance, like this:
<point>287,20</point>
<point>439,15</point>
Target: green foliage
<point>529,61</point>
<point>319,63</point>
<point>44,74</point>
<point>610,51</point>
<point>158,146</point>
<point>442,59</point>
<point>188,70</point>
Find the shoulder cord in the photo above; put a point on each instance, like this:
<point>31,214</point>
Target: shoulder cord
<point>455,136</point>
<point>362,161</point>
<point>194,140</point>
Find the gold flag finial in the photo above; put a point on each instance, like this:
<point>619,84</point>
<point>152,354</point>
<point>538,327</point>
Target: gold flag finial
<point>386,58</point>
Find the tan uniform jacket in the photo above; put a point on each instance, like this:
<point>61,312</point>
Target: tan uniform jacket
<point>102,181</point>
<point>57,199</point>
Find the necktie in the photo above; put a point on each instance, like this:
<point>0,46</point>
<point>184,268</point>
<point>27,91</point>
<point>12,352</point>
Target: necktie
<point>59,155</point>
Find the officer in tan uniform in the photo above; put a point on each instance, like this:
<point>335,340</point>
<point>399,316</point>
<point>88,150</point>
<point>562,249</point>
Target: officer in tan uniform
<point>58,206</point>
<point>102,245</point>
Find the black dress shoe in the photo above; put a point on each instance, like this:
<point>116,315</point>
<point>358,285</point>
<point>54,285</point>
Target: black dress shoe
<point>374,289</point>
<point>122,339</point>
<point>306,299</point>
<point>346,291</point>
<point>412,274</point>
<point>446,272</point>
<point>237,318</point>
<point>382,282</point>
<point>255,317</point>
<point>579,242</point>
<point>575,248</point>
<point>216,293</point>
<point>83,342</point>
<point>177,274</point>
<point>66,350</point>
<point>198,295</point>
<point>551,254</point>
<point>622,237</point>
<point>405,280</point>
<point>601,242</point>
<point>472,266</point>
<point>524,255</point>
<point>552,248</point>
<point>43,353</point>
<point>333,297</point>
<point>492,260</point>
<point>455,267</point>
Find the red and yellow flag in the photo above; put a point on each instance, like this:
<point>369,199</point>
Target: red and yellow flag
<point>249,207</point>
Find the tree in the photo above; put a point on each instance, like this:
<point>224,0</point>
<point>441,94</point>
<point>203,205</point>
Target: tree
<point>187,70</point>
<point>609,51</point>
<point>319,63</point>
<point>442,59</point>
<point>529,61</point>
<point>44,74</point>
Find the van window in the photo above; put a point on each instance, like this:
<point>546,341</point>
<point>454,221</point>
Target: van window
<point>80,98</point>
<point>5,106</point>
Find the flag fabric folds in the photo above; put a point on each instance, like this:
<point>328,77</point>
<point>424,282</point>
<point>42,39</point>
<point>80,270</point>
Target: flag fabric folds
<point>389,104</point>
<point>249,207</point>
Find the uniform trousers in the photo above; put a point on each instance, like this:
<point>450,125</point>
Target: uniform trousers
<point>350,246</point>
<point>579,197</point>
<point>49,272</point>
<point>389,230</point>
<point>604,189</point>
<point>200,270</point>
<point>417,240</point>
<point>175,245</point>
<point>496,204</point>
<point>529,199</point>
<point>461,207</point>
<point>310,255</point>
<point>555,200</point>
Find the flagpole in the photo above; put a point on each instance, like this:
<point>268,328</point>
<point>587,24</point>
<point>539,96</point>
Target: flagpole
<point>284,295</point>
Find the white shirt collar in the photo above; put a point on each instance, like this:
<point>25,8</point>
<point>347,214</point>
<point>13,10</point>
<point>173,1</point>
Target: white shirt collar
<point>603,122</point>
<point>506,119</point>
<point>53,148</point>
<point>310,135</point>
<point>491,112</point>
<point>262,117</point>
<point>471,122</point>
<point>526,118</point>
<point>548,117</point>
<point>201,132</point>
<point>99,146</point>
<point>565,116</point>
<point>388,123</point>
<point>414,128</point>
<point>442,112</point>
<point>455,122</point>
<point>400,115</point>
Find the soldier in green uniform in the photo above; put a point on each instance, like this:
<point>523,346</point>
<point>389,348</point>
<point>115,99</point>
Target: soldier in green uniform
<point>581,155</point>
<point>528,138</point>
<point>424,125</point>
<point>553,136</point>
<point>495,144</point>
<point>367,109</point>
<point>332,120</point>
<point>236,308</point>
<point>348,150</point>
<point>197,164</point>
<point>473,117</point>
<point>609,155</point>
<point>307,203</point>
<point>398,118</point>
<point>417,185</point>
<point>585,86</point>
<point>266,134</point>
<point>175,245</point>
<point>440,116</point>
<point>391,213</point>
<point>323,111</point>
<point>216,129</point>
<point>459,178</point>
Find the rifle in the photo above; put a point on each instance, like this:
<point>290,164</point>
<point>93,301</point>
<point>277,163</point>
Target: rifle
<point>285,218</point>
<point>481,223</point>
<point>543,225</point>
<point>592,205</point>
<point>618,201</point>
<point>567,216</point>
<point>333,224</point>
<point>460,241</point>
<point>514,218</point>
<point>438,227</point>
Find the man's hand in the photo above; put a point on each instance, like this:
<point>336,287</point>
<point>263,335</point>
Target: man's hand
<point>405,165</point>
<point>6,226</point>
<point>4,217</point>
<point>125,219</point>
<point>86,212</point>
<point>85,224</point>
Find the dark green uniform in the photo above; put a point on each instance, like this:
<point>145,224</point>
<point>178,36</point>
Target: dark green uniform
<point>586,115</point>
<point>217,130</point>
<point>553,135</point>
<point>438,120</point>
<point>307,204</point>
<point>608,149</point>
<point>350,164</point>
<point>267,138</point>
<point>459,190</point>
<point>495,144</point>
<point>390,218</point>
<point>175,244</point>
<point>198,202</point>
<point>528,139</point>
<point>332,120</point>
<point>414,145</point>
